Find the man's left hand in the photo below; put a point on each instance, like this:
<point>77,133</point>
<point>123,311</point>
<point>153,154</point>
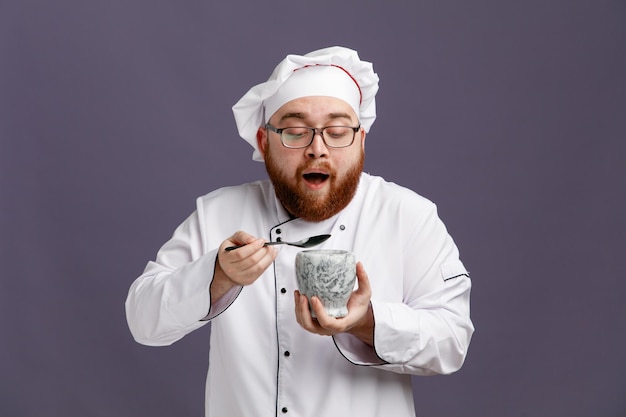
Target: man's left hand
<point>360,318</point>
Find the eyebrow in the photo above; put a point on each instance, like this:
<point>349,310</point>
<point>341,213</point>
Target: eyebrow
<point>303,116</point>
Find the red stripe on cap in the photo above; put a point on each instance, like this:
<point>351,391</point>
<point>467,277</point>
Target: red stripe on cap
<point>341,68</point>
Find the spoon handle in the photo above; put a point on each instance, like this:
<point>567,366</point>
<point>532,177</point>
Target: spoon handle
<point>228,249</point>
<point>276,243</point>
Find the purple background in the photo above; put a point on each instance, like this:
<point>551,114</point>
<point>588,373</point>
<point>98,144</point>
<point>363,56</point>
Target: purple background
<point>511,115</point>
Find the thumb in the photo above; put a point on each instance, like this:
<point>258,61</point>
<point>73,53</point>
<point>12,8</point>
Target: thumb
<point>363,279</point>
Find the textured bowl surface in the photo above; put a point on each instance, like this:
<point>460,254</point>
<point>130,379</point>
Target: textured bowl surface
<point>329,275</point>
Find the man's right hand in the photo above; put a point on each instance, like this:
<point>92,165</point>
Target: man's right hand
<point>241,266</point>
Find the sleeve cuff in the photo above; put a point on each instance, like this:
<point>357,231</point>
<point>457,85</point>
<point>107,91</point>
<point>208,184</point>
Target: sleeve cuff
<point>223,303</point>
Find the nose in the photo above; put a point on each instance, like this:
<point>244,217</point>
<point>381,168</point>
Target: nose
<point>317,148</point>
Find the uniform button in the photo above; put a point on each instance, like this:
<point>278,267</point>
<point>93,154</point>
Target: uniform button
<point>287,353</point>
<point>342,227</point>
<point>284,410</point>
<point>278,239</point>
<point>278,231</point>
<point>283,290</point>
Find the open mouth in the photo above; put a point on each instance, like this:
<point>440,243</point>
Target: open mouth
<point>315,178</point>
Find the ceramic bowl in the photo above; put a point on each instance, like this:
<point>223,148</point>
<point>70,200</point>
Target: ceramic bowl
<point>329,275</point>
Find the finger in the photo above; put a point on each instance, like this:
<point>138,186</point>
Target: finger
<point>358,303</point>
<point>330,324</point>
<point>242,250</point>
<point>240,259</point>
<point>260,260</point>
<point>363,280</point>
<point>304,317</point>
<point>318,307</point>
<point>325,324</point>
<point>246,264</point>
<point>242,238</point>
<point>301,307</point>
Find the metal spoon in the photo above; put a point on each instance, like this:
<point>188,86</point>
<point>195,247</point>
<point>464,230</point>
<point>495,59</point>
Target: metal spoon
<point>304,243</point>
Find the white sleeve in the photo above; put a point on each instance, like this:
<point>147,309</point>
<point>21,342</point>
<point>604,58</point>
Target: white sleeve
<point>172,296</point>
<point>427,332</point>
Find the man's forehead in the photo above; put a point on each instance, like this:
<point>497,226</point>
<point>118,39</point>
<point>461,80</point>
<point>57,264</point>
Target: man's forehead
<point>305,116</point>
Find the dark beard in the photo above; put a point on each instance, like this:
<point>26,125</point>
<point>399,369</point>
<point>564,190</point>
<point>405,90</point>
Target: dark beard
<point>309,206</point>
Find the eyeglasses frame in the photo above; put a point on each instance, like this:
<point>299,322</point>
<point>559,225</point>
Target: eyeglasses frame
<point>316,131</point>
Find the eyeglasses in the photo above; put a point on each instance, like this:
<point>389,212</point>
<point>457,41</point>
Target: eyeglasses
<point>302,137</point>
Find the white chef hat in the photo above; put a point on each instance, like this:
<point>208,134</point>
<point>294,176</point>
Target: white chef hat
<point>335,72</point>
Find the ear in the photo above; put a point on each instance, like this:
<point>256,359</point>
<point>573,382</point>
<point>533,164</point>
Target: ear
<point>261,140</point>
<point>363,134</point>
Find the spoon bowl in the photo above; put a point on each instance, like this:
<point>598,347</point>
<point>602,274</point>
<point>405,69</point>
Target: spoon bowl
<point>304,243</point>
